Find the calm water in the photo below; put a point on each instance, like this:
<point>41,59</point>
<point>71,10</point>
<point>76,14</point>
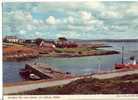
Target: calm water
<point>78,65</point>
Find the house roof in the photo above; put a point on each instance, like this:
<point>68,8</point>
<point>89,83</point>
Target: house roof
<point>11,37</point>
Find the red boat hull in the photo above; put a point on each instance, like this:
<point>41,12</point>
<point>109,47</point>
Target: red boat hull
<point>125,66</point>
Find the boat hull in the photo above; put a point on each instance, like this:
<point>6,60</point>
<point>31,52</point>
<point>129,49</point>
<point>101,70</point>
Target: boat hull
<point>25,74</point>
<point>125,66</point>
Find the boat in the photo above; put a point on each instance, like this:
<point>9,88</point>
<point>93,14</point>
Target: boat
<point>28,75</point>
<point>130,65</point>
<point>125,66</point>
<point>34,77</point>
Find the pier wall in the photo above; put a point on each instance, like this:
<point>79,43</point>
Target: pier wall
<point>37,72</point>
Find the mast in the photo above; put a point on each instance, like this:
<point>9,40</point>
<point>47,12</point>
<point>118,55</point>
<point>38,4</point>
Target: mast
<point>99,66</point>
<point>122,54</point>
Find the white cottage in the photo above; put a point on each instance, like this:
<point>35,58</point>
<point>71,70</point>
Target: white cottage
<point>11,39</point>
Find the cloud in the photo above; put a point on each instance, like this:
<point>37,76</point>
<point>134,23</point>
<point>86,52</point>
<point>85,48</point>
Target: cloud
<point>86,18</point>
<point>68,34</point>
<point>30,27</point>
<point>38,34</point>
<point>21,16</point>
<point>93,19</point>
<point>70,19</point>
<point>52,20</point>
<point>36,21</point>
<point>85,15</point>
<point>111,14</point>
<point>133,9</point>
<point>95,4</point>
<point>22,32</point>
<point>16,20</point>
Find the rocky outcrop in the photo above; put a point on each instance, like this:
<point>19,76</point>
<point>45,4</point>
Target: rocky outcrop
<point>19,57</point>
<point>19,53</point>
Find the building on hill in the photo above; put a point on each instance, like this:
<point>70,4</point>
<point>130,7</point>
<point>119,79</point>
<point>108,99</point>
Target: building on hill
<point>62,42</point>
<point>46,44</point>
<point>12,39</point>
<point>38,41</point>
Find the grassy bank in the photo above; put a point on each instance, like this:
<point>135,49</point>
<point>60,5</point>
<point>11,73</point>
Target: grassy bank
<point>121,85</point>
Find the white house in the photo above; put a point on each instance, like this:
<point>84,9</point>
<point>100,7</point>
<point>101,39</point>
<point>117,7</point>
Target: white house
<point>46,44</point>
<point>11,39</point>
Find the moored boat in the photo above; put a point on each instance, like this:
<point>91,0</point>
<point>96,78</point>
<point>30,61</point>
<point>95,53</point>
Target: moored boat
<point>132,63</point>
<point>125,66</point>
<point>28,75</point>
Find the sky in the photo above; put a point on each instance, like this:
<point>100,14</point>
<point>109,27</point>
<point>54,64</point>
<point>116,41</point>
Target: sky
<point>76,20</point>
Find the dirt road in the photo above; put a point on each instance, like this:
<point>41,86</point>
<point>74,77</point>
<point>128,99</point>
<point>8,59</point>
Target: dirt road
<point>28,87</point>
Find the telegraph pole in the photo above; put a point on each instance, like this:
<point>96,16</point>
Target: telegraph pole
<point>122,54</point>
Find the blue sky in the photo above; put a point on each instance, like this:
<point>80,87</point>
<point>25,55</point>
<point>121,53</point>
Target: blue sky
<point>78,20</point>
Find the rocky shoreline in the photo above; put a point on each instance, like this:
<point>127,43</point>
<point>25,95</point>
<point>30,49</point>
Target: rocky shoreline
<point>20,57</point>
<point>68,55</point>
<point>19,53</point>
<point>22,52</point>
